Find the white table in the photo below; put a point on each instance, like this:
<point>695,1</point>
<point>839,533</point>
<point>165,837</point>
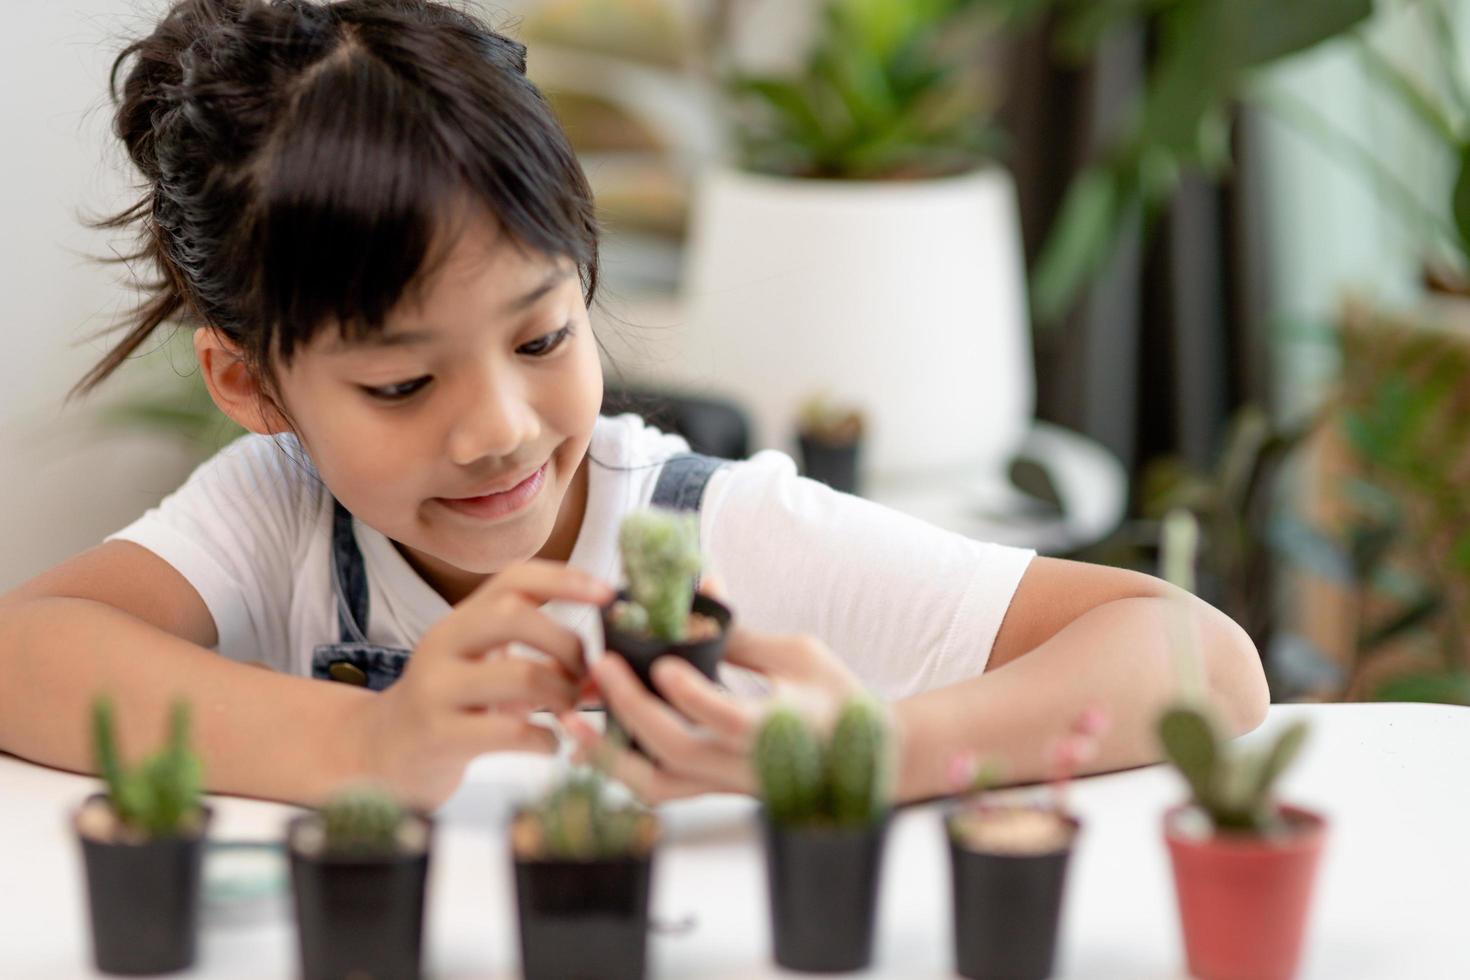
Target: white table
<point>1391,899</point>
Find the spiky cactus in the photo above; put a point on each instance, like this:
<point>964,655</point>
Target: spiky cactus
<point>844,783</point>
<point>857,763</point>
<point>578,822</point>
<point>1233,787</point>
<point>159,796</point>
<point>660,550</point>
<point>361,821</point>
<point>788,761</point>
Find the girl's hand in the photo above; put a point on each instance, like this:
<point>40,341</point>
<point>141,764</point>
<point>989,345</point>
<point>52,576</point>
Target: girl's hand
<point>700,741</point>
<point>463,694</point>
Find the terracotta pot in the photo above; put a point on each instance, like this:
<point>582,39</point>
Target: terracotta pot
<point>1244,901</point>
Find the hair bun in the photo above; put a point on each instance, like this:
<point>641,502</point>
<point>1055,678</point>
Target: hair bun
<point>148,96</point>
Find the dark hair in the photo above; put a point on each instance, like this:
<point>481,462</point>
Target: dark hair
<point>304,162</point>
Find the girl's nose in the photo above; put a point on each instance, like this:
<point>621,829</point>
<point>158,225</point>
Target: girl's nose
<point>497,421</point>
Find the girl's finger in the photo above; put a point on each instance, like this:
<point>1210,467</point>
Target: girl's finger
<point>713,586</point>
<point>703,703</point>
<point>661,732</point>
<point>476,734</point>
<point>540,581</point>
<point>473,630</point>
<point>511,682</point>
<point>649,783</point>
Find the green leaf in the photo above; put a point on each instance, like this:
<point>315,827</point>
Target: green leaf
<point>1275,761</point>
<point>1440,688</point>
<point>1080,241</point>
<point>1189,741</point>
<point>1461,200</point>
<point>1410,93</point>
<point>1416,616</point>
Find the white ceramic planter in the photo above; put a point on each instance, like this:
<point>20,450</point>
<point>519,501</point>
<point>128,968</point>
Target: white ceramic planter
<point>905,297</point>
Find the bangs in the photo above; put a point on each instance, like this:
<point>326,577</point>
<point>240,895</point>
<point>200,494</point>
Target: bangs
<point>389,146</point>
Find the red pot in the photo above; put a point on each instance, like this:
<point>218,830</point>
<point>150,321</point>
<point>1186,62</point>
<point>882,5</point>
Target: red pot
<point>1243,901</point>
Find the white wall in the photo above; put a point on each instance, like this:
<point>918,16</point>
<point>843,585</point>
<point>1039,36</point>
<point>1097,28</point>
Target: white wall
<point>63,485</point>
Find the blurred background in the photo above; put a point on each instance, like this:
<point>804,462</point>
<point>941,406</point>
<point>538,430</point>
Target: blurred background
<point>1035,270</point>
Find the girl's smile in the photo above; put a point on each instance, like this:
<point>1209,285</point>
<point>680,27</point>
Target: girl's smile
<point>497,504</point>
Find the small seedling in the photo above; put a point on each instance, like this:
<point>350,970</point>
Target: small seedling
<point>160,797</point>
<point>825,421</point>
<point>845,783</point>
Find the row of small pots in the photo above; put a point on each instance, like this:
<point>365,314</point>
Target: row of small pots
<point>589,919</point>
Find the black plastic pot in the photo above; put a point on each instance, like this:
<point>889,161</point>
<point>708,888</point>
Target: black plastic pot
<point>1007,909</point>
<point>584,920</point>
<point>358,917</point>
<point>823,884</point>
<point>144,901</point>
<point>641,650</point>
<point>836,466</point>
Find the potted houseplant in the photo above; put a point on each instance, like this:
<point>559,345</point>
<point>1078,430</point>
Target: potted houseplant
<point>825,820</point>
<point>583,864</point>
<point>1009,863</point>
<point>830,436</point>
<point>1244,864</point>
<point>660,613</point>
<point>861,216</point>
<point>143,846</point>
<point>359,866</point>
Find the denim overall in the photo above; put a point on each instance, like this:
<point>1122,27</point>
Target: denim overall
<point>353,660</point>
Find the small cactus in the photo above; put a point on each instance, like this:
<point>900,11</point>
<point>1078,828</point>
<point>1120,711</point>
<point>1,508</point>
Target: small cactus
<point>161,796</point>
<point>1234,788</point>
<point>577,821</point>
<point>660,551</point>
<point>361,821</point>
<point>857,764</point>
<point>844,783</point>
<point>788,761</point>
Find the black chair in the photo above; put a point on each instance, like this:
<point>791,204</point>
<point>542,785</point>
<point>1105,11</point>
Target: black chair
<point>713,426</point>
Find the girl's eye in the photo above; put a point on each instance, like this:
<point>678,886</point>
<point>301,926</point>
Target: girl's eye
<point>542,346</point>
<point>399,391</point>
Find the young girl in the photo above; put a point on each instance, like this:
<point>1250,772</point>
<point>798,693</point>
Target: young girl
<point>387,249</point>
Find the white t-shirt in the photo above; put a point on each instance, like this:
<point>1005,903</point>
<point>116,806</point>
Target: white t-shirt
<point>909,606</point>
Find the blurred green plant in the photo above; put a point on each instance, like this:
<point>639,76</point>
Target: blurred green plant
<point>361,821</point>
<point>160,797</point>
<point>166,396</point>
<point>889,90</point>
<point>579,821</point>
<point>845,782</point>
<point>661,559</point>
<point>1203,54</point>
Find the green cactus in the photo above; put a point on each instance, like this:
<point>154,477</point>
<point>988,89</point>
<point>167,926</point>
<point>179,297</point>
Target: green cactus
<point>857,763</point>
<point>844,783</point>
<point>788,762</point>
<point>361,821</point>
<point>160,796</point>
<point>579,823</point>
<point>660,551</point>
<point>1234,788</point>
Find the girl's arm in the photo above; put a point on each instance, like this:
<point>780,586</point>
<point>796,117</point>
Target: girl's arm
<point>119,619</point>
<point>1078,635</point>
<point>1075,636</point>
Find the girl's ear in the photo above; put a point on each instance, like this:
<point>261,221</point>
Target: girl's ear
<point>233,386</point>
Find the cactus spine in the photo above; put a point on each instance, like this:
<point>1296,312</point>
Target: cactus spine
<point>361,821</point>
<point>160,795</point>
<point>660,551</point>
<point>844,783</point>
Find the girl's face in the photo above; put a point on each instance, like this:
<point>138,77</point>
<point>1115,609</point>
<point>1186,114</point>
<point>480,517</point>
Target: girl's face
<point>460,428</point>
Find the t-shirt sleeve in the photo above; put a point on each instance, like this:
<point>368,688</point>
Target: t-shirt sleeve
<point>233,530</point>
<point>908,605</point>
